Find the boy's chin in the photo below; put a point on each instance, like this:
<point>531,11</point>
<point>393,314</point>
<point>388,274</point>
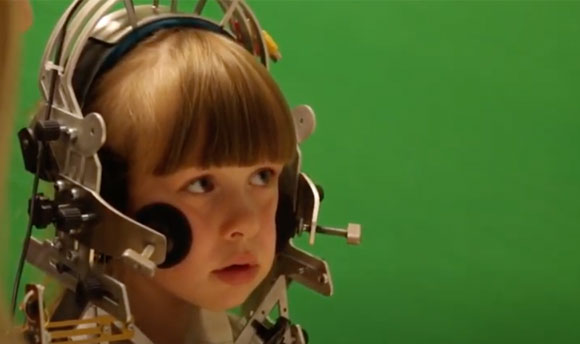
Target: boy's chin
<point>225,302</point>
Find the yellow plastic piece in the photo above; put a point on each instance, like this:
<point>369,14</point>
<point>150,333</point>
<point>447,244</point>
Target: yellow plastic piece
<point>104,327</point>
<point>99,331</point>
<point>272,47</point>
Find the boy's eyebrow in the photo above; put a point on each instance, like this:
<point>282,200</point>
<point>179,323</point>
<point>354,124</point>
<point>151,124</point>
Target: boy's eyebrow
<point>188,172</point>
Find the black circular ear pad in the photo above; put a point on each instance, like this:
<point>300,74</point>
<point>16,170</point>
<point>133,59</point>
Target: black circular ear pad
<point>171,222</point>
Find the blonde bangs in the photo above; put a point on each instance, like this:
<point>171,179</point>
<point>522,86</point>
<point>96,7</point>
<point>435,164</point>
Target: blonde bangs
<point>188,97</point>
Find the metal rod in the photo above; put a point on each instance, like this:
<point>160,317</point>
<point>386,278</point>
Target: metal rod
<point>229,12</point>
<point>199,7</point>
<point>130,8</point>
<point>331,231</point>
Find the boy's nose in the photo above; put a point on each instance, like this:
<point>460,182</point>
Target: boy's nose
<point>240,218</point>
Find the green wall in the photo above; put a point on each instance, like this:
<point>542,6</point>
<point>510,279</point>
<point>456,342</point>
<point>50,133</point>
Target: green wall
<point>450,130</point>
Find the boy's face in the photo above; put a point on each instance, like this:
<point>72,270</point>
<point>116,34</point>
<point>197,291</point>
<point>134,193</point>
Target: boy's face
<point>231,212</point>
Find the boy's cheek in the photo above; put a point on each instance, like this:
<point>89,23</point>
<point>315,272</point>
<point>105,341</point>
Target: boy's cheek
<point>268,241</point>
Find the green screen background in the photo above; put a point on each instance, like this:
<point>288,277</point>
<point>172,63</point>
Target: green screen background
<point>450,130</point>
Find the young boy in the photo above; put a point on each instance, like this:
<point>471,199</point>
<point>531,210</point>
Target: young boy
<point>200,150</point>
<point>206,130</point>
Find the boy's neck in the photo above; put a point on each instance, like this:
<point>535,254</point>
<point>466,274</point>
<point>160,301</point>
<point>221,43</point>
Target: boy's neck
<point>164,318</point>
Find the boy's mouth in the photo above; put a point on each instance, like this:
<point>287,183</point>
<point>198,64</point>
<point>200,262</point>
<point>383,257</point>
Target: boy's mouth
<point>236,267</point>
<point>239,270</point>
<point>237,274</point>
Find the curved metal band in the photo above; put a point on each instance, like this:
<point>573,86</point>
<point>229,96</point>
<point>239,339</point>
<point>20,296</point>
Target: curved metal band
<point>90,18</point>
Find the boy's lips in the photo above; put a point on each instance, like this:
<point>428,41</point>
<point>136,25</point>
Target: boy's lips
<point>239,270</point>
<point>240,259</point>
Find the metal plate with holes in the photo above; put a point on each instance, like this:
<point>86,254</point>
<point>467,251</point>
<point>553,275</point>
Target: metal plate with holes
<point>275,297</point>
<point>117,301</point>
<point>46,257</point>
<point>85,135</point>
<point>75,151</point>
<point>113,233</point>
<point>305,269</point>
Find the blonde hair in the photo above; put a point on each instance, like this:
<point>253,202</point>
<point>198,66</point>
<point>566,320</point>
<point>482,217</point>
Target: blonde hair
<point>189,97</point>
<point>192,97</point>
<point>8,56</point>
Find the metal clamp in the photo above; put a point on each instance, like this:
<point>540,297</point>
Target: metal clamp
<point>140,261</point>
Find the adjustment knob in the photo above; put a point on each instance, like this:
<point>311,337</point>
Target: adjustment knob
<point>68,218</point>
<point>353,233</point>
<point>43,212</point>
<point>47,130</point>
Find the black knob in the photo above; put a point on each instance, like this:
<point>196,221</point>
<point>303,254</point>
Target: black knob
<point>68,218</point>
<point>29,147</point>
<point>43,212</point>
<point>62,268</point>
<point>94,288</point>
<point>274,334</point>
<point>47,130</point>
<point>90,288</point>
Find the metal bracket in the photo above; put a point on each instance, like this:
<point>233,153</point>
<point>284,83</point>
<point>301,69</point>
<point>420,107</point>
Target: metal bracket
<point>306,269</point>
<point>275,297</point>
<point>67,270</point>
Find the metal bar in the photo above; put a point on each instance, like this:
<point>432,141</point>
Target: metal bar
<point>331,231</point>
<point>130,8</point>
<point>199,7</point>
<point>229,12</point>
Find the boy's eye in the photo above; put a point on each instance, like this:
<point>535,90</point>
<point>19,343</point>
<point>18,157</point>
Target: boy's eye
<point>200,185</point>
<point>263,177</point>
